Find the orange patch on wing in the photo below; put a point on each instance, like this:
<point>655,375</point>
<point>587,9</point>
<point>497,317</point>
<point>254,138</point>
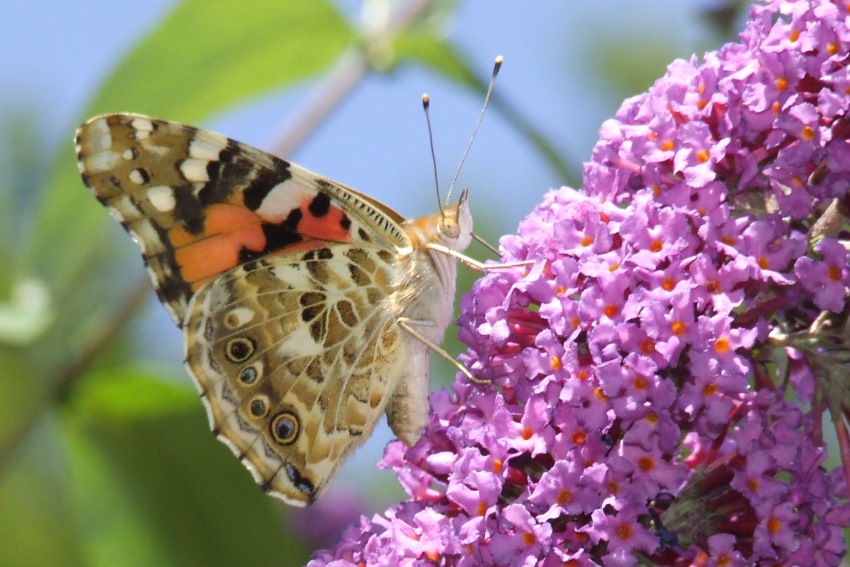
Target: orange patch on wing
<point>327,227</point>
<point>227,230</point>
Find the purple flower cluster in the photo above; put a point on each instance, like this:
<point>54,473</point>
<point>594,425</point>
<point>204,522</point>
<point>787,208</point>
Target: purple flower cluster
<point>660,373</point>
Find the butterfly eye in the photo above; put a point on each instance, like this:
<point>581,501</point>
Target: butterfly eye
<point>284,428</point>
<point>240,349</point>
<point>449,227</point>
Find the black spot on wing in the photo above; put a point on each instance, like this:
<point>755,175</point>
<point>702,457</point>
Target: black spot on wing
<point>310,312</point>
<point>320,205</point>
<point>283,234</point>
<point>256,266</point>
<point>220,172</point>
<point>278,236</point>
<point>173,290</point>
<point>189,209</point>
<point>293,220</point>
<point>234,169</point>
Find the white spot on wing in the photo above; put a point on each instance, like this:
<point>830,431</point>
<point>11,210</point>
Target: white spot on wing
<point>239,317</point>
<point>147,238</point>
<point>124,209</point>
<point>100,137</point>
<point>284,197</point>
<point>292,275</point>
<point>103,160</point>
<point>202,149</point>
<point>162,198</point>
<point>137,177</point>
<point>157,151</point>
<point>142,124</point>
<point>128,154</point>
<point>143,128</point>
<point>299,343</point>
<point>195,169</point>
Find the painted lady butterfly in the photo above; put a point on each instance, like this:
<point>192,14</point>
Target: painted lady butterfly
<point>307,308</point>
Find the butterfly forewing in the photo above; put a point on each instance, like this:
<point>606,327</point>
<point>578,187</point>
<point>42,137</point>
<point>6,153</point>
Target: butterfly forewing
<point>198,203</point>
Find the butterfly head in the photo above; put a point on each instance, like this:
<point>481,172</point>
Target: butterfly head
<point>455,227</point>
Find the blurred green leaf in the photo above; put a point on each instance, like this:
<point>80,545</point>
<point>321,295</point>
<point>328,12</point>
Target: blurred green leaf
<point>129,392</point>
<point>148,493</point>
<point>37,514</point>
<point>20,394</point>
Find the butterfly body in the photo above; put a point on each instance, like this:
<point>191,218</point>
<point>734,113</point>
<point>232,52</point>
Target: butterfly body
<point>296,295</point>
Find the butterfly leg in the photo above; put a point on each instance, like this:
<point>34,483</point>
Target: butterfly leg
<point>475,264</point>
<point>407,324</point>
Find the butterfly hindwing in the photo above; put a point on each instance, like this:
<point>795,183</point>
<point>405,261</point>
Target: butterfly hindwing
<point>295,357</point>
<point>198,203</point>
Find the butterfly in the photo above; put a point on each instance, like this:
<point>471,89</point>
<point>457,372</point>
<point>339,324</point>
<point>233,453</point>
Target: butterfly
<point>307,308</point>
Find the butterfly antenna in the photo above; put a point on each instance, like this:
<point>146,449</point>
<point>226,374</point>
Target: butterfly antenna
<point>496,66</point>
<point>426,105</point>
